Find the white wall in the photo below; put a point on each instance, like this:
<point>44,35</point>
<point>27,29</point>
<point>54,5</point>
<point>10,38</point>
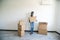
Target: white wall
<point>14,10</point>
<point>58,16</point>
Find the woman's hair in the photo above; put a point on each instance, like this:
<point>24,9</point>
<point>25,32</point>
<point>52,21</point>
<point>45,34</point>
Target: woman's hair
<point>32,13</point>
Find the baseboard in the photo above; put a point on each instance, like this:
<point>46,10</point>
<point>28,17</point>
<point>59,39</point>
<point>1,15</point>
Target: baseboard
<point>52,31</point>
<point>7,30</point>
<point>16,30</point>
<point>37,31</point>
<point>27,31</point>
<point>58,33</point>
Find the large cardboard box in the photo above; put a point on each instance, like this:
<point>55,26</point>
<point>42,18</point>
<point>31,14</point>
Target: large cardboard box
<point>42,32</point>
<point>42,28</point>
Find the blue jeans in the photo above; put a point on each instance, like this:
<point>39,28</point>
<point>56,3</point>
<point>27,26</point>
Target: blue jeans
<point>32,26</point>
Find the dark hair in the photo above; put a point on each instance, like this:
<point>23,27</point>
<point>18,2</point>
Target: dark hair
<point>32,13</point>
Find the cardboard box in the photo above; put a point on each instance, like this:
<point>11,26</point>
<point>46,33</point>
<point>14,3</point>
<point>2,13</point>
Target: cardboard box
<point>22,28</point>
<point>42,32</point>
<point>21,33</point>
<point>21,22</point>
<point>32,19</point>
<point>42,28</point>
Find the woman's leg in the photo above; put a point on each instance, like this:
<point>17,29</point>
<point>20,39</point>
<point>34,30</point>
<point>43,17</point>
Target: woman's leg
<point>32,27</point>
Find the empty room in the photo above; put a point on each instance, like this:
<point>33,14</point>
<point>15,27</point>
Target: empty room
<point>29,19</point>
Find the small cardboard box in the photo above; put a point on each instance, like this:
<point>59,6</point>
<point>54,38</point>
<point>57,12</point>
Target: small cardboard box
<point>32,19</point>
<point>21,33</point>
<point>21,22</point>
<point>22,28</point>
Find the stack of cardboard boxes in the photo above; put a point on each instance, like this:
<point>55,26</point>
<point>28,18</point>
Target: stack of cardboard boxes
<point>21,28</point>
<point>42,28</point>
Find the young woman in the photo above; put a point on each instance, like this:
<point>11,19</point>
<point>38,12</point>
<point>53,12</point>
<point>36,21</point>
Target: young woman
<point>32,19</point>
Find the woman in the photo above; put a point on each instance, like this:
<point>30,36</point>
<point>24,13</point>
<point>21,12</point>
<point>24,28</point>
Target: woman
<point>32,19</point>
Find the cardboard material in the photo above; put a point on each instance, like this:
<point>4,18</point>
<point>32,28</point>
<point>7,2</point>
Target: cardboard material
<point>32,19</point>
<point>42,28</point>
<point>21,28</point>
<point>21,33</point>
<point>43,32</point>
<point>21,22</point>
